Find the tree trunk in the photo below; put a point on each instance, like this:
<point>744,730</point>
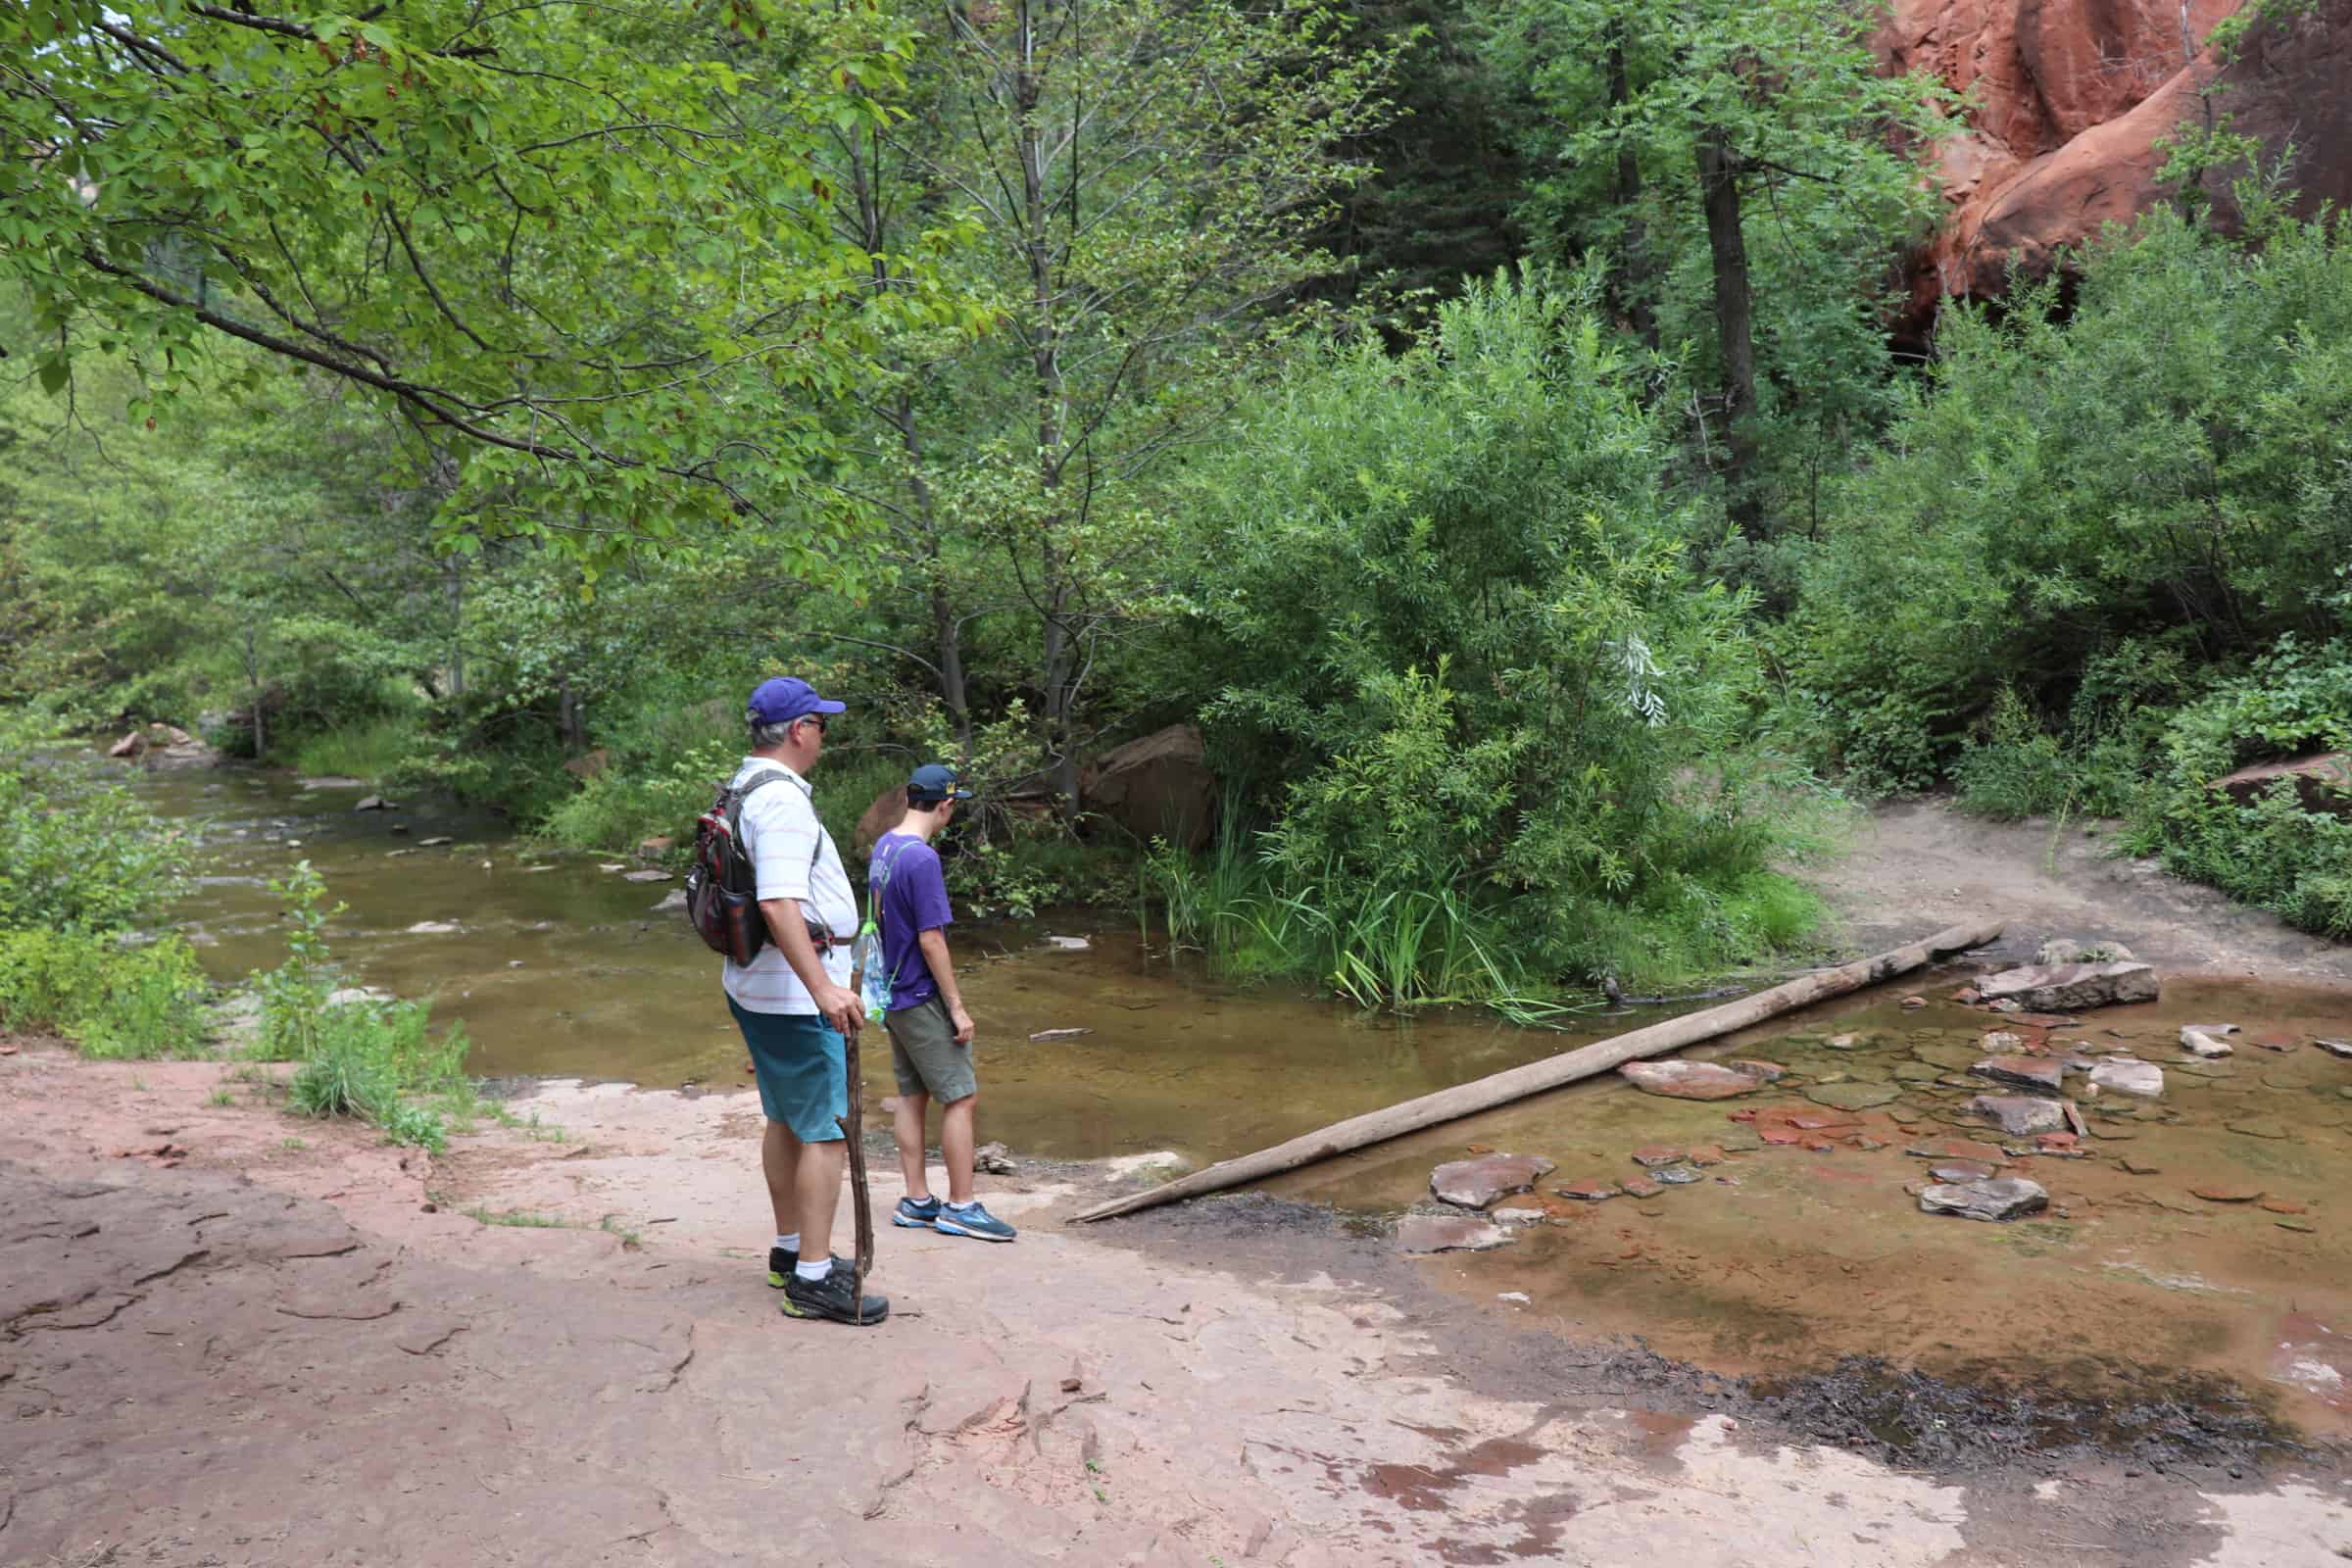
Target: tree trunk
<point>1051,592</point>
<point>1554,1072</point>
<point>1632,281</point>
<point>1734,319</point>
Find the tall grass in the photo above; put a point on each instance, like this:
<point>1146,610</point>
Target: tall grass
<point>373,749</point>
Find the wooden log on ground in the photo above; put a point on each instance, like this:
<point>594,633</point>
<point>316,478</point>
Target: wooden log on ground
<point>1552,1072</point>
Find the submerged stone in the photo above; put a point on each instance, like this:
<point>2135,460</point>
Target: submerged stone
<point>2071,987</point>
<point>1675,1175</point>
<point>2335,1048</point>
<point>2028,1072</point>
<point>1449,1233</point>
<point>1591,1190</point>
<point>2257,1127</point>
<point>2124,1075</point>
<point>1960,1171</point>
<point>2226,1192</point>
<point>2198,1042</point>
<point>2020,1114</point>
<point>1476,1183</point>
<point>1968,1149</point>
<point>1691,1080</point>
<point>1657,1155</point>
<point>2002,1198</point>
<point>1853,1096</point>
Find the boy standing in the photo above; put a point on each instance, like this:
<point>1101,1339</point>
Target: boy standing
<point>930,1033</point>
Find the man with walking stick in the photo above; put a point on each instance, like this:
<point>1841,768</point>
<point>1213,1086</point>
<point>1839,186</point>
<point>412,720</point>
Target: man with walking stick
<point>793,1005</point>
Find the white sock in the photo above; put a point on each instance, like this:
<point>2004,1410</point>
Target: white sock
<point>790,1244</point>
<point>970,1203</point>
<point>813,1271</point>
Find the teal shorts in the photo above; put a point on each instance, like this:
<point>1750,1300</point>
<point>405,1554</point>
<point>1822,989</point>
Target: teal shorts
<point>801,1068</point>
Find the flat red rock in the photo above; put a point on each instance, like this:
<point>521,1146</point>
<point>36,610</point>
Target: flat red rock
<point>1651,1155</point>
<point>1691,1080</point>
<point>2220,1194</point>
<point>1591,1190</point>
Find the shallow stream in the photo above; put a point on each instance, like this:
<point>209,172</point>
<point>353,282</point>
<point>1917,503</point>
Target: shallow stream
<point>1785,1258</point>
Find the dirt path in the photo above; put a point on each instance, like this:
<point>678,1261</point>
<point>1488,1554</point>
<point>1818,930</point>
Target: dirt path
<point>1918,866</point>
<point>219,1347</point>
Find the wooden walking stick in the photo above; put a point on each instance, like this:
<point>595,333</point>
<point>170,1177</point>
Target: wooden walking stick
<point>853,1128</point>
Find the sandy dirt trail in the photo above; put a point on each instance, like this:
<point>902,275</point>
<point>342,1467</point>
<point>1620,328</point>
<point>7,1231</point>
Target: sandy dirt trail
<point>218,1348</point>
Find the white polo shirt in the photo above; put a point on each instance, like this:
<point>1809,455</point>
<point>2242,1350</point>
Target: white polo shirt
<point>792,856</point>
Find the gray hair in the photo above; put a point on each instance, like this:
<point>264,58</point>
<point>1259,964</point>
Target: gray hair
<point>766,735</point>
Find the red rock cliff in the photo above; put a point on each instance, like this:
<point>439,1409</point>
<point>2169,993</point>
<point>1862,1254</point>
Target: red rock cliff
<point>2070,98</point>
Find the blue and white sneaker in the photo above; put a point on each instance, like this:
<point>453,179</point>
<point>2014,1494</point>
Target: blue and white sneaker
<point>976,1222</point>
<point>916,1216</point>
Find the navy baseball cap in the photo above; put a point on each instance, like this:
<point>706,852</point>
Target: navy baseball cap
<point>933,783</point>
<point>785,698</point>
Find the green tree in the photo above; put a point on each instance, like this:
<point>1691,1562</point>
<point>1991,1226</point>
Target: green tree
<point>585,245</point>
<point>1722,129</point>
<point>1146,179</point>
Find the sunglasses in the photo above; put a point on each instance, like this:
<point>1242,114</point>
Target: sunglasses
<point>818,719</point>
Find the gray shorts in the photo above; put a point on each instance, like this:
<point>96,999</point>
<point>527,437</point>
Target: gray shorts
<point>926,1056</point>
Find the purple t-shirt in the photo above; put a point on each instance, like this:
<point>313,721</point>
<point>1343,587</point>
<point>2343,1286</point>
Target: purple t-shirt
<point>911,895</point>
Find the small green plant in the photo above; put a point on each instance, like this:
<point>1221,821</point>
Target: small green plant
<point>221,1096</point>
<point>293,1144</point>
<point>630,1240</point>
<point>521,1218</point>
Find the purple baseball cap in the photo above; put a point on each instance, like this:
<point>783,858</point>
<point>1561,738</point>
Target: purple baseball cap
<point>784,698</point>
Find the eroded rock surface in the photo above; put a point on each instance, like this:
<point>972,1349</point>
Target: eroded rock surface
<point>2071,987</point>
<point>2001,1198</point>
<point>1476,1183</point>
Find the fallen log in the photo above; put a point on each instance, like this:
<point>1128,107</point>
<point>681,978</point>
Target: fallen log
<point>1552,1072</point>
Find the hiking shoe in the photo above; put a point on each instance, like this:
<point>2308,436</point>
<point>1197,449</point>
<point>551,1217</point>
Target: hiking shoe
<point>916,1216</point>
<point>780,1262</point>
<point>976,1222</point>
<point>834,1298</point>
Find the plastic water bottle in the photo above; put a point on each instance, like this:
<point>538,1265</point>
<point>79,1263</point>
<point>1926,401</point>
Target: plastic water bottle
<point>873,984</point>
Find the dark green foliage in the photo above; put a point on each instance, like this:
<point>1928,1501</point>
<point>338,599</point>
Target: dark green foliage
<point>2271,850</point>
<point>2164,476</point>
<point>1465,647</point>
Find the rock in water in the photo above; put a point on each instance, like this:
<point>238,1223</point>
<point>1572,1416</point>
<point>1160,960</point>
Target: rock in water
<point>2028,1072</point>
<point>2126,1076</point>
<point>373,803</point>
<point>2001,1198</point>
<point>1476,1183</point>
<point>1449,1233</point>
<point>1853,1096</point>
<point>2071,987</point>
<point>2020,1114</point>
<point>645,876</point>
<point>2335,1048</point>
<point>2197,1043</point>
<point>1691,1080</point>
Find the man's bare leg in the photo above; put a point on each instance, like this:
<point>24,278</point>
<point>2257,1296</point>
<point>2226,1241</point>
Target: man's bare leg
<point>906,1124</point>
<point>779,1159</point>
<point>817,1186</point>
<point>955,1146</point>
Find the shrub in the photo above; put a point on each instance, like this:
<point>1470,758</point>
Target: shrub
<point>111,1001</point>
<point>79,858</point>
<point>2269,851</point>
<point>1450,606</point>
<point>2169,461</point>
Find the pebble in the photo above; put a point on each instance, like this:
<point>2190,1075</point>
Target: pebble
<point>1914,1004</point>
<point>1519,1297</point>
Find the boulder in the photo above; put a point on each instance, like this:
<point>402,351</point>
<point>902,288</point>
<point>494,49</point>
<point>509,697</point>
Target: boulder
<point>1691,1080</point>
<point>2071,987</point>
<point>1998,1199</point>
<point>1449,1233</point>
<point>2124,1075</point>
<point>373,803</point>
<point>1156,787</point>
<point>131,745</point>
<point>2027,1072</point>
<point>888,812</point>
<point>2323,782</point>
<point>2020,1114</point>
<point>661,843</point>
<point>2066,950</point>
<point>992,1160</point>
<point>2071,104</point>
<point>1476,1183</point>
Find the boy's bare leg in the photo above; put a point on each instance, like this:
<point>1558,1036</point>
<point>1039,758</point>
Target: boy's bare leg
<point>955,1146</point>
<point>907,1123</point>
